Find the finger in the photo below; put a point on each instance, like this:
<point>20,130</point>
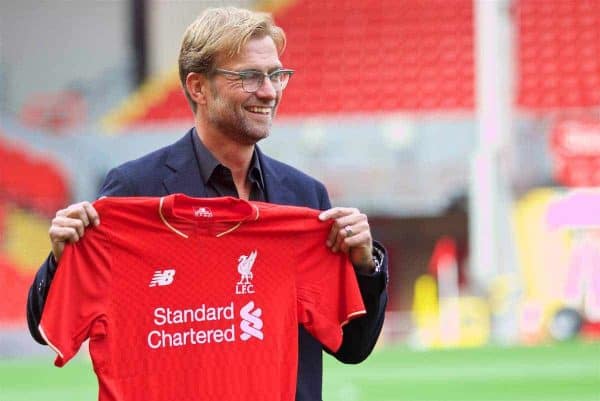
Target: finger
<point>340,232</point>
<point>344,233</point>
<point>59,237</point>
<point>63,234</point>
<point>351,225</point>
<point>355,235</point>
<point>92,214</point>
<point>351,220</point>
<point>70,210</point>
<point>344,242</point>
<point>63,212</point>
<point>360,240</point>
<point>66,222</point>
<point>331,237</point>
<point>337,212</point>
<point>337,234</point>
<point>339,243</point>
<point>83,211</point>
<point>80,211</point>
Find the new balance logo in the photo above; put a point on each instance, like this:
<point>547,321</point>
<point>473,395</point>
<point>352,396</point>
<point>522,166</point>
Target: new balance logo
<point>251,324</point>
<point>162,277</point>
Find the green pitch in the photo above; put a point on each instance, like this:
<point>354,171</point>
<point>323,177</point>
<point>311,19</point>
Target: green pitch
<point>560,372</point>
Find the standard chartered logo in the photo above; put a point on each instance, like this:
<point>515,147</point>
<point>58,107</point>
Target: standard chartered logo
<point>251,324</point>
<point>204,324</point>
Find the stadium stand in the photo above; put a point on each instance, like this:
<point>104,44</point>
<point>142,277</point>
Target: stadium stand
<point>388,56</point>
<point>31,180</point>
<point>32,187</point>
<point>14,295</point>
<point>558,43</point>
<point>353,58</point>
<point>158,101</point>
<point>25,239</point>
<point>365,57</point>
<point>56,113</point>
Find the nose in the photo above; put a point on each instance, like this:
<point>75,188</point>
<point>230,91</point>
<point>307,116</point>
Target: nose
<point>266,90</point>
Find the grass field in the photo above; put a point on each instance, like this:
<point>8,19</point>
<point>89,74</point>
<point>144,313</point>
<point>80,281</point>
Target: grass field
<point>560,372</point>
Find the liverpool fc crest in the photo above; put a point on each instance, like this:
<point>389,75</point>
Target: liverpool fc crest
<point>245,263</point>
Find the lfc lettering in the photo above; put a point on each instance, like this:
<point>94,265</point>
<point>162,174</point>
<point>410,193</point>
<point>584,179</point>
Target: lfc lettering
<point>244,288</point>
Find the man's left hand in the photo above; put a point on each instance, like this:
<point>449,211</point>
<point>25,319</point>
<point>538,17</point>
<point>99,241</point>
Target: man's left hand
<point>350,233</point>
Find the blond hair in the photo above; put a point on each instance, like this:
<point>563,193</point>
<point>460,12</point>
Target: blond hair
<point>222,32</point>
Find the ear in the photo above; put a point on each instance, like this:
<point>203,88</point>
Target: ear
<point>197,87</point>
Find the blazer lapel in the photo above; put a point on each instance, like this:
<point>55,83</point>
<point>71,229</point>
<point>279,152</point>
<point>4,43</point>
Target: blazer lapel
<point>277,189</point>
<point>184,176</point>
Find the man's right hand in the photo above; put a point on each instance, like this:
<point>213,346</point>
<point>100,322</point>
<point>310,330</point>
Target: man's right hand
<point>69,225</point>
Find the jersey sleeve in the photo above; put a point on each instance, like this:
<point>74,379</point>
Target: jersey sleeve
<point>78,296</point>
<point>328,294</point>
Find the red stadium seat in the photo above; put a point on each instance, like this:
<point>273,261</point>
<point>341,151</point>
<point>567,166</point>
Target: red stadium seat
<point>558,46</point>
<point>15,285</point>
<point>31,180</point>
<point>386,56</point>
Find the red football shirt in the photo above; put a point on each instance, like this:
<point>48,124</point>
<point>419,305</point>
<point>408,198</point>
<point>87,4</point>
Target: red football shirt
<point>198,299</point>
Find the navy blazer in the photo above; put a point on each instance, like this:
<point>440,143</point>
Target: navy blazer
<point>174,169</point>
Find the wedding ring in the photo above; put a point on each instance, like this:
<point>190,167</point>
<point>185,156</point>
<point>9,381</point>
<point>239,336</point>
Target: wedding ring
<point>349,232</point>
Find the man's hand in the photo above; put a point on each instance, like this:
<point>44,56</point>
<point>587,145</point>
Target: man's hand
<point>351,234</point>
<point>69,226</point>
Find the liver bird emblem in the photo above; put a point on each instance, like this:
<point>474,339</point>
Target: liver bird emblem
<point>245,263</point>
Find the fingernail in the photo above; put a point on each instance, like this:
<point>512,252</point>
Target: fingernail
<point>322,216</point>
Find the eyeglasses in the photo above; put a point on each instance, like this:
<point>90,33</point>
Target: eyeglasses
<point>253,80</point>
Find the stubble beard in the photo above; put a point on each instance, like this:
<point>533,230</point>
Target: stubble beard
<point>228,119</point>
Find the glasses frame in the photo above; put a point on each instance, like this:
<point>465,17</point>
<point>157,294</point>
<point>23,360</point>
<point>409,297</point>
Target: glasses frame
<point>242,74</point>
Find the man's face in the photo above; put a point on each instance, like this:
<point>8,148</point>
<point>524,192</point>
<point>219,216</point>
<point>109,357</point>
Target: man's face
<point>245,117</point>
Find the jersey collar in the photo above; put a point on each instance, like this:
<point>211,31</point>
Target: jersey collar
<point>220,216</point>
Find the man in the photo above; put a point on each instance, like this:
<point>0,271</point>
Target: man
<point>233,79</point>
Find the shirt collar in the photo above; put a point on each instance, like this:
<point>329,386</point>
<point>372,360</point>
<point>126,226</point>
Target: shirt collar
<point>207,163</point>
<point>181,214</point>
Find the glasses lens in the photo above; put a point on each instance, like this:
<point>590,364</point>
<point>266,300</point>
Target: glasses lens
<point>281,78</point>
<point>251,81</point>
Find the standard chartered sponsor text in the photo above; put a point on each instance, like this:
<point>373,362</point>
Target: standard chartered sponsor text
<point>167,317</point>
<point>162,339</point>
<point>203,313</point>
<point>174,325</point>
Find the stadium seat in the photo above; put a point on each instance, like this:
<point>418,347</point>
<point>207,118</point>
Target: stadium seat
<point>31,180</point>
<point>14,293</point>
<point>388,56</point>
<point>558,48</point>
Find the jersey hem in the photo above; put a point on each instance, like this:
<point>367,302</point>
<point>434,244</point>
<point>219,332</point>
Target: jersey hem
<point>54,347</point>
